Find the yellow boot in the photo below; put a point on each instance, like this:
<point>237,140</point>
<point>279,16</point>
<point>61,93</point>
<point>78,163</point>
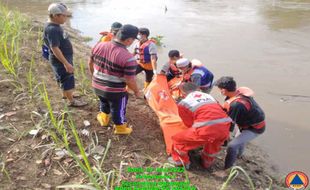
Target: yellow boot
<point>122,129</point>
<point>103,119</point>
<point>146,84</point>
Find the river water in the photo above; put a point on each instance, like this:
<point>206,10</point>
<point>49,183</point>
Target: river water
<point>264,44</point>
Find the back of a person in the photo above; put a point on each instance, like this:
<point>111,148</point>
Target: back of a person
<point>204,106</point>
<point>110,61</point>
<point>210,112</point>
<point>107,38</point>
<point>208,109</point>
<point>206,75</point>
<point>253,114</point>
<point>109,58</point>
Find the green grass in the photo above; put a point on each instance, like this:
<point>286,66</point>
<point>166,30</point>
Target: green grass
<point>84,83</point>
<point>3,168</point>
<point>158,40</point>
<point>11,32</point>
<point>31,78</point>
<point>64,126</point>
<point>14,30</point>
<point>234,172</point>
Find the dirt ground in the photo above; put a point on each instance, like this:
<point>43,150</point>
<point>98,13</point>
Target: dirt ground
<point>31,162</point>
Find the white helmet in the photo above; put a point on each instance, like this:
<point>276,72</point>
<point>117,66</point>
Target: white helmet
<point>183,62</point>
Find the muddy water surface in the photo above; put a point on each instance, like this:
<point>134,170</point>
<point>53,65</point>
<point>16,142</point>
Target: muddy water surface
<point>264,44</point>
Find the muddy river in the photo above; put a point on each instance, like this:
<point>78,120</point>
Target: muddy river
<point>264,44</point>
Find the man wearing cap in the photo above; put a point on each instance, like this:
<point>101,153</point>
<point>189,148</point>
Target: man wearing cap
<point>245,112</point>
<point>170,69</point>
<point>208,126</point>
<point>146,54</point>
<point>61,51</point>
<point>108,36</point>
<point>194,71</point>
<point>113,67</point>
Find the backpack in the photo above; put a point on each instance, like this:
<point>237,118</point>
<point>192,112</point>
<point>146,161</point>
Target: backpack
<point>45,51</point>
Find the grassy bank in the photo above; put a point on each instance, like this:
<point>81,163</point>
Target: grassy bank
<point>46,145</point>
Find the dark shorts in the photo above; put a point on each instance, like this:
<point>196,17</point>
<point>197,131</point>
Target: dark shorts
<point>64,79</point>
<point>115,106</point>
<point>148,73</point>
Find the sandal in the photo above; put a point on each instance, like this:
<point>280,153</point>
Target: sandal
<point>77,103</point>
<point>74,96</point>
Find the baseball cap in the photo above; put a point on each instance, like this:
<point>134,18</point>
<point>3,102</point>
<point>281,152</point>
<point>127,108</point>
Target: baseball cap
<point>58,8</point>
<point>128,31</point>
<point>183,62</point>
<point>116,26</point>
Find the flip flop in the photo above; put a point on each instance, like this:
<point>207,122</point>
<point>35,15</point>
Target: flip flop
<point>74,96</point>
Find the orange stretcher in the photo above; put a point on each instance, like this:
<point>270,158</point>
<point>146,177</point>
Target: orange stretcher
<point>160,100</point>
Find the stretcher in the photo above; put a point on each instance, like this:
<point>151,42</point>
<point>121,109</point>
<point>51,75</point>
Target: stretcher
<point>159,98</point>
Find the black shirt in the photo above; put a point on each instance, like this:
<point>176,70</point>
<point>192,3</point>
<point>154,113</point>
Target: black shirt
<point>54,36</point>
<point>239,113</point>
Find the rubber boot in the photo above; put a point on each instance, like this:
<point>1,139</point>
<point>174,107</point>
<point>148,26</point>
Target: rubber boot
<point>103,119</point>
<point>146,84</point>
<point>122,129</point>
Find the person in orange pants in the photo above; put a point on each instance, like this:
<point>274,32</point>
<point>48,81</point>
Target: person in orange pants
<point>208,126</point>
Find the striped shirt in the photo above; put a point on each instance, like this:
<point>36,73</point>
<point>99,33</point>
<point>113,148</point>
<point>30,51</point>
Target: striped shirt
<point>113,64</point>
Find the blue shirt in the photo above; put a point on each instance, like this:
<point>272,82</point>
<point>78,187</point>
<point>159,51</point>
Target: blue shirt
<point>206,77</point>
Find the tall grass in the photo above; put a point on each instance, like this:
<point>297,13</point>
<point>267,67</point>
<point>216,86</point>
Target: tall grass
<point>83,80</point>
<point>45,98</point>
<point>3,169</point>
<point>31,78</point>
<point>234,172</point>
<point>11,25</point>
<point>60,135</point>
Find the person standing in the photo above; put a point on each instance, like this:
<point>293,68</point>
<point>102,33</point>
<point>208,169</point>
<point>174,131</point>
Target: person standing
<point>245,112</point>
<point>108,36</point>
<point>113,67</point>
<point>61,51</point>
<point>146,54</point>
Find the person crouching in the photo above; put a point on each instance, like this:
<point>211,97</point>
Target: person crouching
<point>208,126</point>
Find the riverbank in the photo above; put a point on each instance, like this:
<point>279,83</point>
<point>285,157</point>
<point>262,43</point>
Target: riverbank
<point>44,145</point>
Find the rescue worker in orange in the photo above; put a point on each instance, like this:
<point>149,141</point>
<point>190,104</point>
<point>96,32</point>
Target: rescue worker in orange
<point>170,69</point>
<point>208,126</point>
<point>194,71</point>
<point>108,36</point>
<point>245,112</point>
<point>146,54</point>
